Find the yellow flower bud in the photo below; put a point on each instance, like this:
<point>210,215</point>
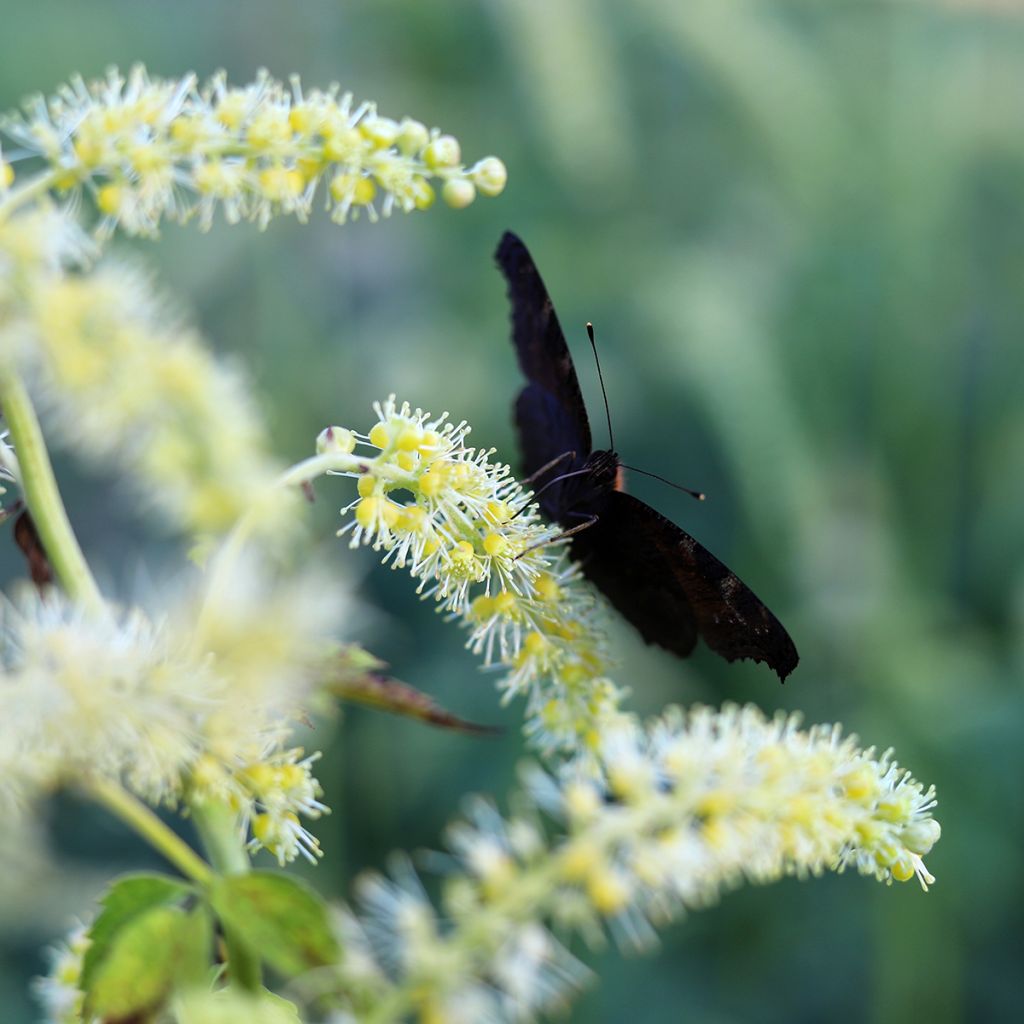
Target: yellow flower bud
<point>412,518</point>
<point>535,644</point>
<point>444,151</point>
<point>409,439</point>
<point>366,512</point>
<point>108,198</point>
<point>342,145</point>
<point>495,544</point>
<point>335,439</point>
<point>490,176</point>
<point>458,193</point>
<point>432,482</point>
<point>366,486</point>
<point>381,131</point>
<point>6,174</point>
<point>546,587</point>
<point>380,436</point>
<point>412,136</point>
<point>608,891</point>
<point>902,869</point>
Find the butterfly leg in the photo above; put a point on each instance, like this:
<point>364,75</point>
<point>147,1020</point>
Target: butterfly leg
<point>564,535</point>
<point>548,465</point>
<point>539,473</point>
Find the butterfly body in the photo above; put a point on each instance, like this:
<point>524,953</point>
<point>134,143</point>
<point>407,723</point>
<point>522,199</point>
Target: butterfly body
<point>658,577</point>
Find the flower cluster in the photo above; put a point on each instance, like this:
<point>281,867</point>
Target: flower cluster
<point>469,533</point>
<point>693,805</point>
<point>146,148</point>
<point>59,991</point>
<point>121,379</point>
<point>200,702</point>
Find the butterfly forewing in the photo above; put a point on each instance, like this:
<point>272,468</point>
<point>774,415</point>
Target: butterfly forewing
<point>543,354</point>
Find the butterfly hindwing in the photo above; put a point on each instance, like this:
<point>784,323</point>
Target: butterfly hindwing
<point>671,587</point>
<point>539,342</point>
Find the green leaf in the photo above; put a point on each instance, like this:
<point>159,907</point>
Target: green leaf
<point>124,900</point>
<point>232,1006</point>
<point>283,920</point>
<point>196,948</point>
<point>142,963</point>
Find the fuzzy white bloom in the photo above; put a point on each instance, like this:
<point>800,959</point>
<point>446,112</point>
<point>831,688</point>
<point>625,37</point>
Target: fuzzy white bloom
<point>8,464</point>
<point>146,149</point>
<point>120,379</point>
<point>59,991</point>
<point>472,537</point>
<point>200,701</point>
<point>694,805</point>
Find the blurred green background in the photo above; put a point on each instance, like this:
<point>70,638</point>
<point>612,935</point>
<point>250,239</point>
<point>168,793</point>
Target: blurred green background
<point>798,230</point>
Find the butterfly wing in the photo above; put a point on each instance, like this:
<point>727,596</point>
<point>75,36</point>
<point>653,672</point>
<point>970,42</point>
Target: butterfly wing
<point>550,413</point>
<point>672,588</point>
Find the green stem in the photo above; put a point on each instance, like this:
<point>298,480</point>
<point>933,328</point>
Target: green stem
<point>39,486</point>
<point>135,813</point>
<point>30,190</point>
<point>217,825</point>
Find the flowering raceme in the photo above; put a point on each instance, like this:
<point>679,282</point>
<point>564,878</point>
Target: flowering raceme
<point>474,541</point>
<point>693,804</point>
<point>192,700</point>
<point>147,148</point>
<point>199,703</point>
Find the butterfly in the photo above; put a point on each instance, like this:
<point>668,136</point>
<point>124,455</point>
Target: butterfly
<point>670,587</point>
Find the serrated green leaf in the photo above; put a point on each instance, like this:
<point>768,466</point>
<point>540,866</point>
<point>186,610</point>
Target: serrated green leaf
<point>283,920</point>
<point>125,899</point>
<point>141,965</point>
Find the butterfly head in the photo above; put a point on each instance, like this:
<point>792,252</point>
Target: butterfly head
<point>604,471</point>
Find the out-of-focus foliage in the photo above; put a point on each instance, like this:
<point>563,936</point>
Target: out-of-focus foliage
<point>798,229</point>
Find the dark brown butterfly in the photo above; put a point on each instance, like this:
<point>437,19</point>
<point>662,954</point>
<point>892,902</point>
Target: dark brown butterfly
<point>665,583</point>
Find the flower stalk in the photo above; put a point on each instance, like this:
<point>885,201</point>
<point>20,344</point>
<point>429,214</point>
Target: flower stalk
<point>42,495</point>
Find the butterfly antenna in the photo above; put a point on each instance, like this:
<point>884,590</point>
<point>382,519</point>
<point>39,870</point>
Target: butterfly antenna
<point>699,495</point>
<point>600,377</point>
